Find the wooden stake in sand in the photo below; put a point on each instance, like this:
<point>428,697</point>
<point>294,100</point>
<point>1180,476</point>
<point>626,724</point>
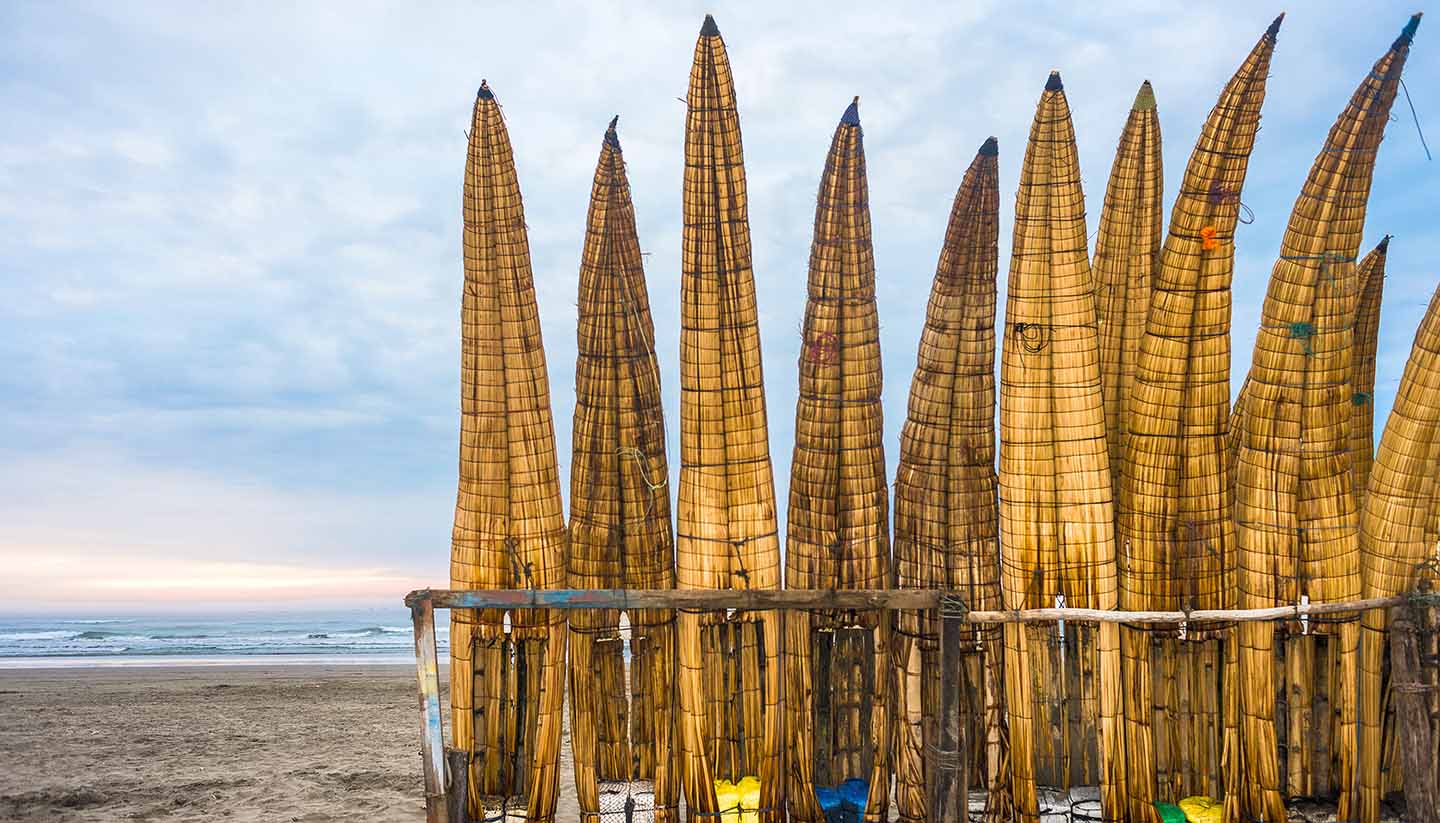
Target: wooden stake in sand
<point>1296,521</point>
<point>1175,533</point>
<point>1396,533</point>
<point>620,531</point>
<point>507,687</point>
<point>1056,513</point>
<point>726,537</point>
<point>839,523</point>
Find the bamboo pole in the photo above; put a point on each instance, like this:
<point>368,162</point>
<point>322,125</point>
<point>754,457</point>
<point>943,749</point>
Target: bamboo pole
<point>1056,512</point>
<point>619,509</point>
<point>726,531</point>
<point>1296,523</point>
<point>838,535</point>
<point>945,504</point>
<point>509,521</point>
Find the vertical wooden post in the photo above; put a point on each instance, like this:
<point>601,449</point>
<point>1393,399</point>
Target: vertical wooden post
<point>950,802</point>
<point>1412,720</point>
<point>427,673</point>
<point>457,791</point>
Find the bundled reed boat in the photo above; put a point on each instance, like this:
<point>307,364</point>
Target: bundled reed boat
<point>1056,513</point>
<point>507,675</point>
<point>620,532</point>
<point>1295,510</point>
<point>1175,533</point>
<point>1371,273</point>
<point>838,681</point>
<point>730,677</point>
<point>946,534</point>
<point>1398,540</point>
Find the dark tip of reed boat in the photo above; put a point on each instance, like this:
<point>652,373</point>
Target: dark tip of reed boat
<point>990,147</point>
<point>1145,98</point>
<point>708,28</point>
<point>1054,84</point>
<point>1275,26</point>
<point>484,93</point>
<point>611,138</point>
<point>1384,243</point>
<point>1407,34</point>
<point>851,117</point>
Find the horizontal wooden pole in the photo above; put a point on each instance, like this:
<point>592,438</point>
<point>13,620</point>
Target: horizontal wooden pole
<point>861,599</point>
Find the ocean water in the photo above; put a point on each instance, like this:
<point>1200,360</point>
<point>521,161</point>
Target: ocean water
<point>356,636</point>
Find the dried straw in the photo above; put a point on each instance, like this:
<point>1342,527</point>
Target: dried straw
<point>1056,512</point>
<point>1296,522</point>
<point>726,535</point>
<point>620,533</point>
<point>838,535</point>
<point>945,505</point>
<point>507,689</point>
<point>1175,532</point>
<point>1362,368</point>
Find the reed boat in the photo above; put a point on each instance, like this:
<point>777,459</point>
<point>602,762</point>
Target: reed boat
<point>507,673</point>
<point>1297,526</point>
<point>622,729</point>
<point>1127,253</point>
<point>1371,273</point>
<point>1056,512</point>
<point>730,676</point>
<point>838,679</point>
<point>1175,533</point>
<point>946,529</point>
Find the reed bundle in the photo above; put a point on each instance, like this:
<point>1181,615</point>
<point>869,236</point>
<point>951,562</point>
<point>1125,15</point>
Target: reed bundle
<point>839,523</point>
<point>1397,533</point>
<point>507,687</point>
<point>1175,533</point>
<point>1371,273</point>
<point>1296,521</point>
<point>1056,512</point>
<point>730,677</point>
<point>946,534</point>
<point>620,532</point>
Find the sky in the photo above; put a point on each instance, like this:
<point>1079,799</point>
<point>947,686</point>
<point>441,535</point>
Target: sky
<point>230,263</point>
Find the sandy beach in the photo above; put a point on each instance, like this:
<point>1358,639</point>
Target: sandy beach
<point>240,743</point>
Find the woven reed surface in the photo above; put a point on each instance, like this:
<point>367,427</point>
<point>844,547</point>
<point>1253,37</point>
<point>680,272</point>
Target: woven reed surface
<point>726,530</point>
<point>1362,369</point>
<point>1396,528</point>
<point>1056,512</point>
<point>509,521</point>
<point>1127,254</point>
<point>838,529</point>
<point>620,529</point>
<point>1296,521</point>
<point>946,533</point>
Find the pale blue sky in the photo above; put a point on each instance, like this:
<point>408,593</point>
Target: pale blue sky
<point>230,235</point>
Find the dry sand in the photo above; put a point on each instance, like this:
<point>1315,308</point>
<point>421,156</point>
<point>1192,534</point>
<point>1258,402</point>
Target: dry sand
<point>235,743</point>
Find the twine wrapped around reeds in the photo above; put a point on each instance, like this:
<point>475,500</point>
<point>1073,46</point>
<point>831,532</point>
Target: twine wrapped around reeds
<point>1371,273</point>
<point>1056,512</point>
<point>838,535</point>
<point>1296,521</point>
<point>1397,532</point>
<point>726,527</point>
<point>946,533</point>
<point>506,687</point>
<point>1175,533</point>
<point>620,532</point>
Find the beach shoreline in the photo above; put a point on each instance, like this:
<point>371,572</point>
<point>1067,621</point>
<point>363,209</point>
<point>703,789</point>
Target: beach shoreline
<point>273,741</point>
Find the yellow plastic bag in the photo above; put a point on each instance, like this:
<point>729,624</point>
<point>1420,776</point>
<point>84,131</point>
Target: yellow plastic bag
<point>738,802</point>
<point>1201,809</point>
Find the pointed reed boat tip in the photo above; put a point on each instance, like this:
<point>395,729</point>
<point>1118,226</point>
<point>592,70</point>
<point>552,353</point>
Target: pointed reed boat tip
<point>1145,98</point>
<point>1407,34</point>
<point>1053,83</point>
<point>1275,26</point>
<point>1384,243</point>
<point>484,93</point>
<point>851,117</point>
<point>708,28</point>
<point>990,147</point>
<point>611,138</point>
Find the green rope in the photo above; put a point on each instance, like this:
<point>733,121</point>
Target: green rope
<point>1360,398</point>
<point>1305,332</point>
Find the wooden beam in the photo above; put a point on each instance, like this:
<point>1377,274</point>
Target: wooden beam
<point>950,763</point>
<point>457,791</point>
<point>1412,719</point>
<point>432,744</point>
